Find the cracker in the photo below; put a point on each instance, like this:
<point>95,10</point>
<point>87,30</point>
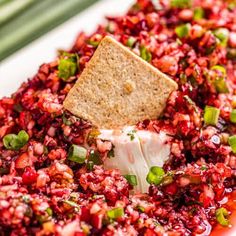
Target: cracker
<point>118,88</point>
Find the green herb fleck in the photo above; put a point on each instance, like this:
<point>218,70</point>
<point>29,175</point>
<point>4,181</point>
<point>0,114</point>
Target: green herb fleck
<point>132,134</point>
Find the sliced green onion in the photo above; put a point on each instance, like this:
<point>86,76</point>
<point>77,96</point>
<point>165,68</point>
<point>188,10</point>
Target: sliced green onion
<point>49,211</point>
<point>132,179</point>
<point>115,213</point>
<point>131,41</point>
<point>145,54</point>
<point>211,115</point>
<point>9,141</point>
<point>198,13</point>
<point>221,85</point>
<point>155,175</point>
<point>140,208</point>
<point>77,154</point>
<point>15,142</point>
<point>220,82</point>
<point>219,68</point>
<point>233,116</point>
<point>223,35</point>
<point>232,143</point>
<point>71,203</point>
<point>182,30</point>
<point>65,120</point>
<point>23,137</point>
<point>180,3</point>
<point>221,216</point>
<point>67,67</point>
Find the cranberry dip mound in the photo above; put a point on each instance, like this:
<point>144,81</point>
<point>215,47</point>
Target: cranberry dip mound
<point>174,175</point>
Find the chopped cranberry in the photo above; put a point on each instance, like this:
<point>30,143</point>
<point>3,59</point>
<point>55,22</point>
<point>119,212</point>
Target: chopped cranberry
<point>29,176</point>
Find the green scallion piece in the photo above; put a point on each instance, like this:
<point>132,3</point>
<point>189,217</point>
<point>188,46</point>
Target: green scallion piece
<point>233,116</point>
<point>221,85</point>
<point>180,3</point>
<point>49,211</point>
<point>232,143</point>
<point>221,216</point>
<point>211,115</point>
<point>77,154</point>
<point>182,30</point>
<point>155,175</point>
<point>132,179</point>
<point>131,41</point>
<point>115,213</point>
<point>93,43</point>
<point>198,13</point>
<point>223,35</point>
<point>67,67</point>
<point>15,142</point>
<point>71,203</point>
<point>145,54</point>
<point>219,68</point>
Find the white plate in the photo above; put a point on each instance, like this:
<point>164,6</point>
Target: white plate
<point>24,63</point>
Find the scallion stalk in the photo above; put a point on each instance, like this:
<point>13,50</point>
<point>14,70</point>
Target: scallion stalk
<point>211,115</point>
<point>155,175</point>
<point>232,143</point>
<point>77,154</point>
<point>221,216</point>
<point>233,116</point>
<point>115,213</point>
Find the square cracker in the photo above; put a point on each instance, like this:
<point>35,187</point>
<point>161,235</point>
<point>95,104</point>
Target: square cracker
<point>118,88</point>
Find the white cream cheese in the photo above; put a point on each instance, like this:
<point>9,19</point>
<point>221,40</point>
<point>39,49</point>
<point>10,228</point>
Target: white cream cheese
<point>136,151</point>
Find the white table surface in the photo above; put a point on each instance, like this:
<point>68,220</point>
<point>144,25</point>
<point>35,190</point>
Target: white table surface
<point>24,63</point>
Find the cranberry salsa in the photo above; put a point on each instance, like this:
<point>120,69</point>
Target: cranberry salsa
<point>52,177</point>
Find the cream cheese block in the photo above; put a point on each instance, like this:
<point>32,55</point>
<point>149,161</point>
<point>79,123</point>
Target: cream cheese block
<point>136,151</point>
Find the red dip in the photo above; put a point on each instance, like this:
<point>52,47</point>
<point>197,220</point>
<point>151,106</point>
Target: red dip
<point>50,184</point>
